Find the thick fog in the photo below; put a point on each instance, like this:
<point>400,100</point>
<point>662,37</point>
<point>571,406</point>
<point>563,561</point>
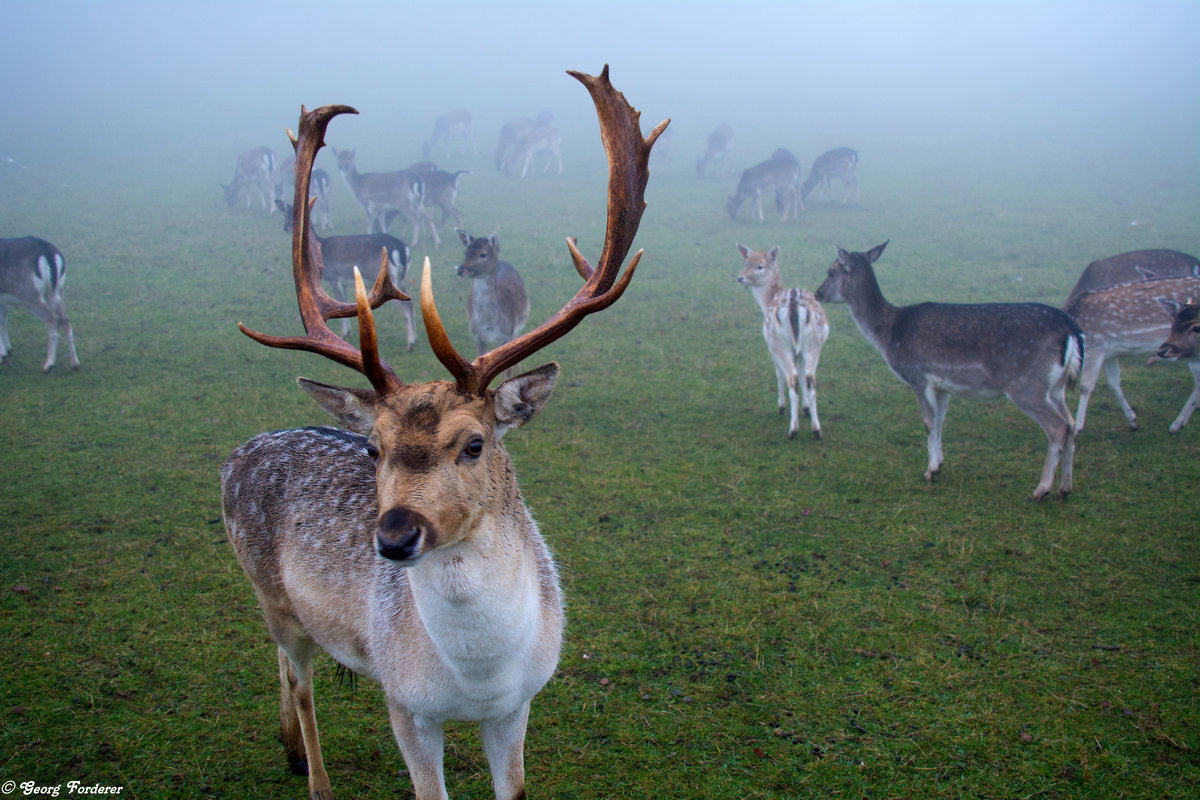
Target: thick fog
<point>184,83</point>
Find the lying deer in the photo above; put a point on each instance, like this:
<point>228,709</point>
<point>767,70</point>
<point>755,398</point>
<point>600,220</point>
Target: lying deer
<point>402,545</point>
<point>720,145</point>
<point>1024,351</point>
<point>497,308</point>
<point>795,328</point>
<point>341,255</point>
<point>775,173</point>
<point>838,163</point>
<point>256,167</point>
<point>1127,320</point>
<point>400,191</point>
<point>32,273</point>
<point>1133,267</point>
<point>1183,343</point>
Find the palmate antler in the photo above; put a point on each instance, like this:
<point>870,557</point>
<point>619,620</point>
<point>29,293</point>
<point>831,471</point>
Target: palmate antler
<point>628,172</point>
<point>316,306</point>
<point>628,158</point>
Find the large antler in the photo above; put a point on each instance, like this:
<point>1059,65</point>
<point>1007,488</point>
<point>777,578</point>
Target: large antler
<point>316,306</point>
<point>628,172</point>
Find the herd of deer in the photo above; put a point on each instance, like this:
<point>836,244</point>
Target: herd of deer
<point>399,542</point>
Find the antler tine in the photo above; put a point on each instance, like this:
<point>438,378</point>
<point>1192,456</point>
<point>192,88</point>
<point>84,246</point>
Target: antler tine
<point>316,306</point>
<point>628,173</point>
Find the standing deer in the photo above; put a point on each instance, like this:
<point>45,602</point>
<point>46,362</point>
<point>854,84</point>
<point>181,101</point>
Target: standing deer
<point>451,126</point>
<point>1127,320</point>
<point>795,328</point>
<point>838,163</point>
<point>545,141</point>
<point>256,167</point>
<point>1133,267</point>
<point>511,134</point>
<point>441,189</point>
<point>401,191</point>
<point>1183,342</point>
<point>497,308</point>
<point>1025,351</point>
<point>720,145</point>
<point>775,173</point>
<point>402,546</point>
<point>32,273</point>
<point>341,255</point>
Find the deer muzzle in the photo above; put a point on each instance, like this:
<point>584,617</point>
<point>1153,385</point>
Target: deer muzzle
<point>404,535</point>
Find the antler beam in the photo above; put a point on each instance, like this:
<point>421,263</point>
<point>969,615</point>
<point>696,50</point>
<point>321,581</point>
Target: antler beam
<point>628,172</point>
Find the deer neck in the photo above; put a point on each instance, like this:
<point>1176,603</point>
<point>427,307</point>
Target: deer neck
<point>768,294</point>
<point>873,314</point>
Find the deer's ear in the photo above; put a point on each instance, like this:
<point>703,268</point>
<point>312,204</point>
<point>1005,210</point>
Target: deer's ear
<point>354,409</point>
<point>519,399</point>
<point>463,237</point>
<point>773,253</point>
<point>1170,306</point>
<point>875,252</point>
<point>745,251</point>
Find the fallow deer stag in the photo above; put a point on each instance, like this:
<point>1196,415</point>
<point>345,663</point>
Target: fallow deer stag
<point>795,328</point>
<point>1127,320</point>
<point>341,255</point>
<point>720,145</point>
<point>1133,267</point>
<point>379,193</point>
<point>404,549</point>
<point>778,173</point>
<point>32,273</point>
<point>837,163</point>
<point>256,167</point>
<point>1183,343</point>
<point>1024,351</point>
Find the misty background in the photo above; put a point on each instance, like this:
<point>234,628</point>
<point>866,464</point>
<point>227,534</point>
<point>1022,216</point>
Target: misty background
<point>118,87</point>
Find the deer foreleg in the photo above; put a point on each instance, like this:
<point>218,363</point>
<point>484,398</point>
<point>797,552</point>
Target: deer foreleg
<point>1193,400</point>
<point>504,744</point>
<point>1112,374</point>
<point>421,745</point>
<point>297,711</point>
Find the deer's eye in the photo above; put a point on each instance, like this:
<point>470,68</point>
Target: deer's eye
<point>372,452</point>
<point>473,448</point>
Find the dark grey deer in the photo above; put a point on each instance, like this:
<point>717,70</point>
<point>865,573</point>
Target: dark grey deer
<point>1025,351</point>
<point>838,163</point>
<point>341,254</point>
<point>497,308</point>
<point>1133,267</point>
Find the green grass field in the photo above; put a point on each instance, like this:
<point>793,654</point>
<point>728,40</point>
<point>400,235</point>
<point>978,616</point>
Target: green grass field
<point>749,617</point>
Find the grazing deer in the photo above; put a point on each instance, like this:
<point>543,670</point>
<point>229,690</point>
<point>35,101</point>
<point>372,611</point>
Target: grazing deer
<point>511,134</point>
<point>341,255</point>
<point>378,193</point>
<point>1024,351</point>
<point>838,163</point>
<point>1133,267</point>
<point>1183,343</point>
<point>544,141</point>
<point>32,273</point>
<point>775,173</point>
<point>795,328</point>
<point>497,308</point>
<point>402,546</point>
<point>255,166</point>
<point>441,189</point>
<point>285,185</point>
<point>451,126</point>
<point>720,145</point>
<point>1127,320</point>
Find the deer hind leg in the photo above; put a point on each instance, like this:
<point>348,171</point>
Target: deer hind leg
<point>64,327</point>
<point>1193,400</point>
<point>809,360</point>
<point>420,743</point>
<point>297,715</point>
<point>1089,374</point>
<point>504,744</point>
<point>1112,374</point>
<point>933,414</point>
<point>5,344</point>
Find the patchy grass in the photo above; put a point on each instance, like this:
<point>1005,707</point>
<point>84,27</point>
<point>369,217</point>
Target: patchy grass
<point>748,616</point>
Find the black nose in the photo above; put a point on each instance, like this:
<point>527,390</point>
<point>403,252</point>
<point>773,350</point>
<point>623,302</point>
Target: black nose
<point>402,533</point>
